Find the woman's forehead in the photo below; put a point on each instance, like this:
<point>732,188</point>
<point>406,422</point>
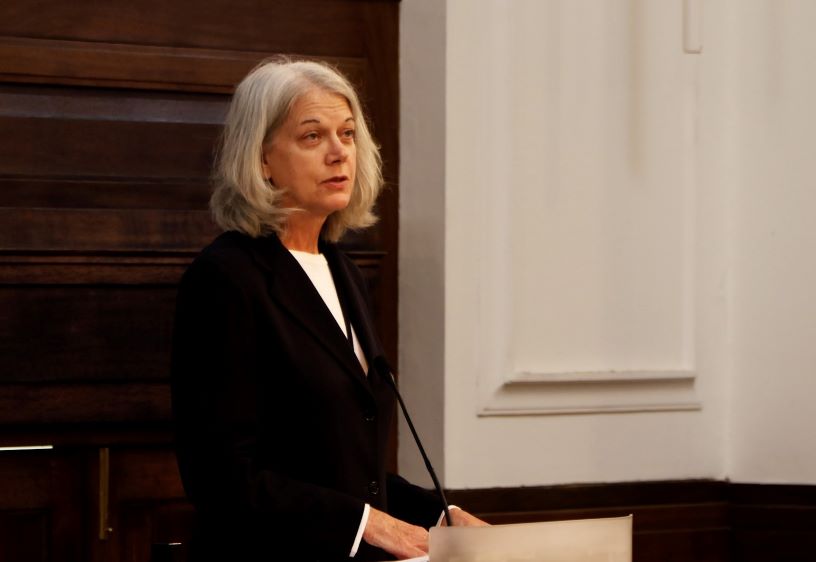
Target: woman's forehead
<point>317,103</point>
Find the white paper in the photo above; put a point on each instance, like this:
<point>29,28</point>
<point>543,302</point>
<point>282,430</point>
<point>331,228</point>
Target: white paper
<point>582,540</point>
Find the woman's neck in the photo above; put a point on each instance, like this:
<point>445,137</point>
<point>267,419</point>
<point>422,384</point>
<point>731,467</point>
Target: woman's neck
<point>302,235</point>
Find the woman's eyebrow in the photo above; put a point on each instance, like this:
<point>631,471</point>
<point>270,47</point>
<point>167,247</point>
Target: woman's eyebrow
<point>316,120</point>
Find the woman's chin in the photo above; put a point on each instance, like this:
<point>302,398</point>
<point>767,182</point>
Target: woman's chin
<point>338,202</point>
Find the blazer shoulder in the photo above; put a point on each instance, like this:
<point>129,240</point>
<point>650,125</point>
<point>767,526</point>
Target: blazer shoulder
<point>228,258</point>
<point>230,247</point>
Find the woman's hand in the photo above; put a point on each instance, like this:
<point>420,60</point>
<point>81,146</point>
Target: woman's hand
<point>396,537</point>
<point>461,518</point>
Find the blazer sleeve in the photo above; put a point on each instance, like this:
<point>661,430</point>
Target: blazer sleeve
<point>412,503</point>
<point>217,412</point>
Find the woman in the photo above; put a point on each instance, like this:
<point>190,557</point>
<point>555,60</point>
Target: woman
<point>282,428</point>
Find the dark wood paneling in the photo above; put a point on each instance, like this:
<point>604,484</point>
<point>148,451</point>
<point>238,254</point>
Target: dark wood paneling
<point>104,193</point>
<point>593,495</point>
<point>99,148</point>
<point>317,27</point>
<point>78,268</point>
<point>147,502</point>
<point>61,407</point>
<point>119,230</point>
<point>109,113</point>
<point>141,67</point>
<point>24,535</point>
<point>41,507</point>
<point>123,66</point>
<point>773,522</point>
<point>141,482</point>
<point>77,334</point>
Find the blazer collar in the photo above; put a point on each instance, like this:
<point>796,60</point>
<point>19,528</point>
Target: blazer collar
<point>292,289</point>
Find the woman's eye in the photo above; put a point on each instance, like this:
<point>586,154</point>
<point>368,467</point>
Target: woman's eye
<point>310,136</point>
<point>349,133</point>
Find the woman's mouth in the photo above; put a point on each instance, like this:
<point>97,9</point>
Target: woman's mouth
<point>336,182</point>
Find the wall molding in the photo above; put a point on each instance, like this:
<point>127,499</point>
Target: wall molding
<point>584,377</point>
<point>593,392</point>
<point>580,266</point>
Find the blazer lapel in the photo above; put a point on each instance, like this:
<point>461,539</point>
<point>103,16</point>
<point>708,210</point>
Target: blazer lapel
<point>292,289</point>
<point>354,304</point>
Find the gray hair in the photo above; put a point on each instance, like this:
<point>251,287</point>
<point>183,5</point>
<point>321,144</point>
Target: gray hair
<point>245,200</point>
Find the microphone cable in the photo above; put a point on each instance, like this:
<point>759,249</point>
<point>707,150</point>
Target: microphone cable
<point>384,367</point>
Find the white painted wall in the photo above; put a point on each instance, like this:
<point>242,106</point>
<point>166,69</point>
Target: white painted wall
<point>774,262</point>
<point>594,236</point>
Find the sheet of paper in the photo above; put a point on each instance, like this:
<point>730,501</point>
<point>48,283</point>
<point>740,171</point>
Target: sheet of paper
<point>582,540</point>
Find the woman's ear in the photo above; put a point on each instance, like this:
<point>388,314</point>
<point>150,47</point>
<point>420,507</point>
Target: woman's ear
<point>267,169</point>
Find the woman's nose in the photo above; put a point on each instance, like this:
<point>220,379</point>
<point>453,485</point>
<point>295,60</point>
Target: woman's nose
<point>338,150</point>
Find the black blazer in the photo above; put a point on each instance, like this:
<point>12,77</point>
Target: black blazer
<point>281,436</point>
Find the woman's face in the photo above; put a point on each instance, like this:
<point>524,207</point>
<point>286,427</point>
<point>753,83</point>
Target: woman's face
<point>313,156</point>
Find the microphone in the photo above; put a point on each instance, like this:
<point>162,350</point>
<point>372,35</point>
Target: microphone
<point>381,364</point>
